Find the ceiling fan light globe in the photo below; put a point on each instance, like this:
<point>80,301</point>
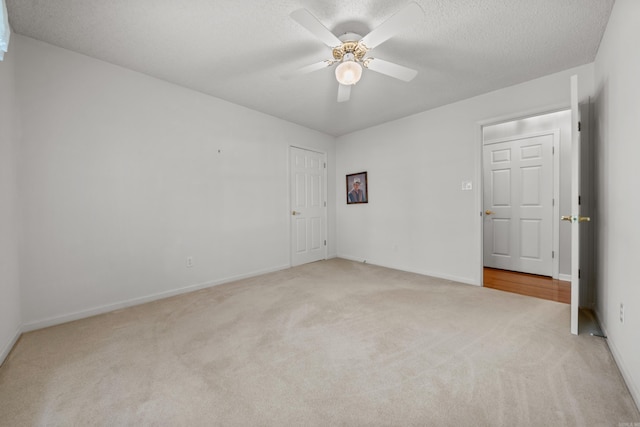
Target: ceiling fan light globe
<point>348,73</point>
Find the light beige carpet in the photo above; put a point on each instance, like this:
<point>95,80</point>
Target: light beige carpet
<point>329,343</point>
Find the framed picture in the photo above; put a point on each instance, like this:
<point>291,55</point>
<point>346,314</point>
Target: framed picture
<point>357,188</point>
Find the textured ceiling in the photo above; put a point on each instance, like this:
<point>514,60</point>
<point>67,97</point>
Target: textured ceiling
<point>240,50</point>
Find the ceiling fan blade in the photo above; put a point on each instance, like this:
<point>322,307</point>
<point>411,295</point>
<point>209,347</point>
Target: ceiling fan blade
<point>408,16</point>
<point>344,92</point>
<point>309,69</point>
<point>315,27</point>
<point>390,69</point>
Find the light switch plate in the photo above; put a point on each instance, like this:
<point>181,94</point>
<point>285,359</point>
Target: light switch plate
<point>467,185</point>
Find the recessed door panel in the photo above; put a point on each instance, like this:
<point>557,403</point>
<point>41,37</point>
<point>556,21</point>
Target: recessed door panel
<point>531,152</point>
<point>501,237</point>
<point>530,239</point>
<point>500,156</point>
<point>316,233</point>
<point>300,190</point>
<point>530,182</point>
<point>313,164</point>
<point>316,193</point>
<point>300,225</point>
<point>501,183</point>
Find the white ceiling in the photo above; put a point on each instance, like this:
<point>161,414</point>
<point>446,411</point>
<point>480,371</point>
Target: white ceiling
<point>240,50</point>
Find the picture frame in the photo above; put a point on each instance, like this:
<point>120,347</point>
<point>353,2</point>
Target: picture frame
<point>357,188</point>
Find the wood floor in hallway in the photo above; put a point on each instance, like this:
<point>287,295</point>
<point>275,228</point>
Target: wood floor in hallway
<point>528,284</point>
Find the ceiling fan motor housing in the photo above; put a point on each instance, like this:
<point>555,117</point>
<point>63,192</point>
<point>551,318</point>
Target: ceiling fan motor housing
<point>349,45</point>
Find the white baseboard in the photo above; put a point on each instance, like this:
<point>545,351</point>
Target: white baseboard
<point>564,277</point>
<point>7,348</point>
<point>69,317</point>
<point>634,388</point>
<point>464,280</point>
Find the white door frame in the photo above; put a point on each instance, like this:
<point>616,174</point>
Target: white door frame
<point>290,208</point>
<point>479,175</point>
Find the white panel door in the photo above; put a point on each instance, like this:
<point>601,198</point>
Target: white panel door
<point>308,206</point>
<point>518,203</point>
<point>575,218</point>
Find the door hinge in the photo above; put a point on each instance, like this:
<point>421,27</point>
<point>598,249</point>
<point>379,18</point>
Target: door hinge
<point>325,243</point>
<point>579,200</point>
<point>579,273</point>
<point>325,204</point>
<point>553,254</point>
<point>553,202</point>
<point>325,165</point>
<point>579,126</point>
<point>553,150</point>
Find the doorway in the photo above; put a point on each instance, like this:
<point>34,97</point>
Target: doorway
<point>526,182</point>
<point>308,201</point>
<point>518,202</point>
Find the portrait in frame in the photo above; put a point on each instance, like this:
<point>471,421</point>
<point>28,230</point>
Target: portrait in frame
<point>357,188</point>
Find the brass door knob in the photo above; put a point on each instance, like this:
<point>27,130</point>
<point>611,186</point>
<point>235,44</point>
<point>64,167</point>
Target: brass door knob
<point>295,213</point>
<point>584,218</point>
<point>566,218</point>
<point>488,212</point>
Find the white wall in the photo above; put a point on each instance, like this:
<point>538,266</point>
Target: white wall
<point>418,218</point>
<point>560,120</point>
<point>10,317</point>
<point>122,180</point>
<point>617,110</point>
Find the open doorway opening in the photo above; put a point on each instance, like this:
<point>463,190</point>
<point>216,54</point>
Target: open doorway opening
<point>526,184</point>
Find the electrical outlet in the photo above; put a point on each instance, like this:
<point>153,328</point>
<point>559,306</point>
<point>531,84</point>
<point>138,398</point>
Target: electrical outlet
<point>621,313</point>
<point>189,262</point>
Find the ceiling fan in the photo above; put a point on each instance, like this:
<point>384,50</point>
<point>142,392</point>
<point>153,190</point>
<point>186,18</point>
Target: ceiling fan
<point>350,50</point>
